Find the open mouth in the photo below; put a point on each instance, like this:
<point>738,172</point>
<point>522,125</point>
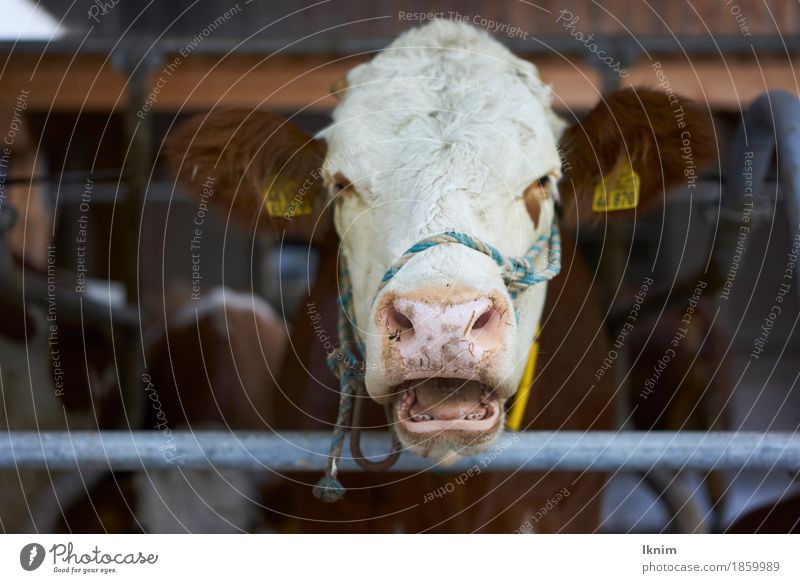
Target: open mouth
<point>445,404</point>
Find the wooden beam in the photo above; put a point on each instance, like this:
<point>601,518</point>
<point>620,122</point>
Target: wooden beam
<point>90,83</point>
<point>726,84</point>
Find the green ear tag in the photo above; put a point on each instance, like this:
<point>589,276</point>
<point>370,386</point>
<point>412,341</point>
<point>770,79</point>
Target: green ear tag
<point>287,199</point>
<point>619,191</point>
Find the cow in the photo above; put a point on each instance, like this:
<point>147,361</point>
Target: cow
<point>198,376</point>
<point>445,160</point>
<point>201,376</point>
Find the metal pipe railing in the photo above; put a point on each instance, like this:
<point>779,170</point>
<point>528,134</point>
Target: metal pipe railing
<point>307,451</point>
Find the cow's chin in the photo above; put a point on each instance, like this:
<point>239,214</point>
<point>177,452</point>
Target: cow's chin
<point>447,418</point>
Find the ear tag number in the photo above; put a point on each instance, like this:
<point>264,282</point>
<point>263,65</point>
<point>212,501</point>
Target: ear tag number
<point>287,199</point>
<point>618,191</point>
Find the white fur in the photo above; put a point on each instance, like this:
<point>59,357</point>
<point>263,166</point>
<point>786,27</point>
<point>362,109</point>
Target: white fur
<point>217,303</point>
<point>443,130</point>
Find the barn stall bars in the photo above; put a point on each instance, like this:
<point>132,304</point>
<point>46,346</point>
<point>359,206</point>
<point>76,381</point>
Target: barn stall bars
<point>308,451</point>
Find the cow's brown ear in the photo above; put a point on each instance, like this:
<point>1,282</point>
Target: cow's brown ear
<point>664,141</point>
<point>256,165</point>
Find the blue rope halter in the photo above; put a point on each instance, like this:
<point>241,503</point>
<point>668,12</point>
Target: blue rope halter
<point>519,273</point>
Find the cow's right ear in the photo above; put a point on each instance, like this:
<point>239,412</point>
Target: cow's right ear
<point>622,157</point>
<point>253,164</point>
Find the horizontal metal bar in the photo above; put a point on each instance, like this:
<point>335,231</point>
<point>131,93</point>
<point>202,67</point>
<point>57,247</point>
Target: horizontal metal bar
<point>307,451</point>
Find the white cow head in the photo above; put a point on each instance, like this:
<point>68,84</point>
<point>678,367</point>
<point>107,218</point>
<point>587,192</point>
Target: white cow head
<point>444,130</point>
<point>452,133</point>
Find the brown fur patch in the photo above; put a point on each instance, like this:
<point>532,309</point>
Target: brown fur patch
<point>641,123</point>
<point>533,197</point>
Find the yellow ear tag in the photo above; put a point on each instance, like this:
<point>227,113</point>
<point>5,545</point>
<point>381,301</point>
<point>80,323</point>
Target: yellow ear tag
<point>619,191</point>
<point>287,199</point>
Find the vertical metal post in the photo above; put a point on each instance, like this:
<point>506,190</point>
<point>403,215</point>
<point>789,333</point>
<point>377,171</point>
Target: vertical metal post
<point>769,127</point>
<point>137,65</point>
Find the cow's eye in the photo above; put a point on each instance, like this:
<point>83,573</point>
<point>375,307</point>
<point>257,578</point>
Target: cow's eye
<point>339,183</point>
<point>539,188</point>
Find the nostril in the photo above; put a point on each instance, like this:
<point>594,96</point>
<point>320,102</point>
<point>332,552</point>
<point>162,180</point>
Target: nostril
<point>403,321</point>
<point>483,319</point>
<point>486,330</point>
<point>400,321</point>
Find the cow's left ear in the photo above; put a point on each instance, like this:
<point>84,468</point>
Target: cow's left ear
<point>635,144</point>
<point>256,165</point>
